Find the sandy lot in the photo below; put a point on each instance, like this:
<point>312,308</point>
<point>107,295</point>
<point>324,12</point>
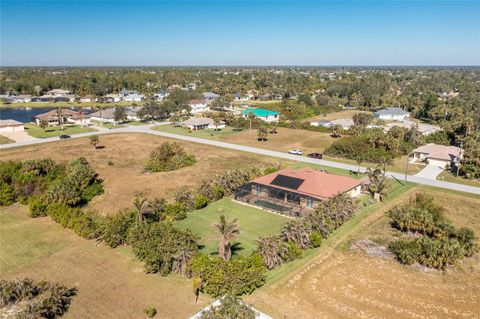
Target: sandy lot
<point>127,154</point>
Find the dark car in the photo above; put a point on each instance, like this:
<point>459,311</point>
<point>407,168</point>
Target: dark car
<point>315,155</point>
<point>62,137</point>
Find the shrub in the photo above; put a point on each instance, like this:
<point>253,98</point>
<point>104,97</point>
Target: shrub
<point>406,251</point>
<point>200,201</point>
<point>81,223</point>
<point>239,275</point>
<point>229,308</point>
<point>115,227</point>
<point>315,239</point>
<point>169,157</point>
<point>162,247</point>
<point>7,196</point>
<point>37,206</point>
<point>150,312</point>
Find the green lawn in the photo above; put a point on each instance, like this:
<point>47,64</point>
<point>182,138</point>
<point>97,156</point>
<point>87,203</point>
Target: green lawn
<point>36,131</point>
<point>449,177</point>
<point>205,133</point>
<point>5,140</point>
<point>253,224</point>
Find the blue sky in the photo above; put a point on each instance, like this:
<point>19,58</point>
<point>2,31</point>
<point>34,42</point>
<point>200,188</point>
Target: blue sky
<point>84,33</point>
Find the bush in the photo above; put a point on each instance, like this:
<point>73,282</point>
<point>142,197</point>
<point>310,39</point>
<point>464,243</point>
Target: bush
<point>115,228</point>
<point>229,308</point>
<point>315,239</point>
<point>7,196</point>
<point>169,157</point>
<point>81,223</point>
<point>200,201</point>
<point>150,312</point>
<point>406,251</point>
<point>37,206</point>
<point>238,276</point>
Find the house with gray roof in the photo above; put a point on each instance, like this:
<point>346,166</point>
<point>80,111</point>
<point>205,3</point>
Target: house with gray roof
<point>391,114</point>
<point>200,123</point>
<point>210,96</point>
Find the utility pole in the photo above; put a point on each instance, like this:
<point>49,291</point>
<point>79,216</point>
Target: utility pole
<point>458,158</point>
<point>406,168</point>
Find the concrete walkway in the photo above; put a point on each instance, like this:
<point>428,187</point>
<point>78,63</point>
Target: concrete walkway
<point>430,171</point>
<point>146,129</point>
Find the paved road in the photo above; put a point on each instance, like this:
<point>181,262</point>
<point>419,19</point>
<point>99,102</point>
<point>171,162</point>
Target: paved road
<point>147,130</point>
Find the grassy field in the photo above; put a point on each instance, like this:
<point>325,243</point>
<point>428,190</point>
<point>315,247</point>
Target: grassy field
<point>110,283</point>
<point>252,222</point>
<point>121,161</point>
<point>449,177</point>
<point>5,140</point>
<point>206,133</point>
<point>336,282</point>
<point>36,131</point>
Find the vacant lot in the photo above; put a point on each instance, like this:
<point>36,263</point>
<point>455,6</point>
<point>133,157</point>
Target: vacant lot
<point>343,284</point>
<point>346,114</point>
<point>36,131</point>
<point>121,160</point>
<point>252,222</point>
<point>110,283</point>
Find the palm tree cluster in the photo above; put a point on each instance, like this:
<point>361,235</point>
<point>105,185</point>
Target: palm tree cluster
<point>438,243</point>
<point>305,232</point>
<point>378,183</point>
<point>36,299</point>
<point>230,307</point>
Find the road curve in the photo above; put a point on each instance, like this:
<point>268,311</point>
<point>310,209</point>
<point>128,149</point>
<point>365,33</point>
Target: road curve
<point>147,129</point>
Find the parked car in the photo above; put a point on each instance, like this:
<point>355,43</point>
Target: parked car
<point>315,155</point>
<point>62,137</point>
<point>295,152</point>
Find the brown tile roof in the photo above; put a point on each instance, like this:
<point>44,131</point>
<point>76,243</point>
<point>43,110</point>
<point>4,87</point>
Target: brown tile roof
<point>440,151</point>
<point>53,114</point>
<point>316,184</point>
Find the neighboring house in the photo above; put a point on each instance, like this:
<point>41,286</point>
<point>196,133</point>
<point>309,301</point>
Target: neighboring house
<point>161,95</point>
<point>104,115</point>
<point>68,116</point>
<point>200,123</point>
<point>391,113</point>
<point>133,97</point>
<point>440,155</point>
<point>423,128</point>
<point>218,302</point>
<point>88,98</point>
<point>210,96</point>
<point>294,192</point>
<point>198,106</point>
<point>21,98</point>
<point>447,95</point>
<point>240,97</point>
<point>11,126</point>
<point>262,114</point>
<point>124,92</point>
<point>65,98</point>
<point>58,92</point>
<point>344,123</point>
<point>43,98</point>
<point>111,98</point>
<point>323,123</point>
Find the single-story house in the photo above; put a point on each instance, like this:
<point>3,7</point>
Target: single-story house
<point>58,92</point>
<point>11,126</point>
<point>323,123</point>
<point>134,97</point>
<point>111,98</point>
<point>440,155</point>
<point>65,98</point>
<point>293,192</point>
<point>124,92</point>
<point>88,98</point>
<point>198,106</point>
<point>43,98</point>
<point>161,95</point>
<point>200,123</point>
<point>240,97</point>
<point>391,113</point>
<point>68,116</point>
<point>262,114</point>
<point>21,98</point>
<point>344,123</point>
<point>104,115</point>
<point>210,96</point>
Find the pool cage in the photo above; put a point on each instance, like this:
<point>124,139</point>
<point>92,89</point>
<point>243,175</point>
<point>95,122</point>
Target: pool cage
<point>274,199</point>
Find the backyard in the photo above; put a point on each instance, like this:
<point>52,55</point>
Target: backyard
<point>252,222</point>
<point>51,131</point>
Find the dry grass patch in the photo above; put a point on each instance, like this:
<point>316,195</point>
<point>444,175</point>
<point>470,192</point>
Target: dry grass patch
<point>110,283</point>
<point>343,284</point>
<point>128,153</point>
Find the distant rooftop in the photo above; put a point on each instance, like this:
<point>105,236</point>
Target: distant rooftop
<point>391,111</point>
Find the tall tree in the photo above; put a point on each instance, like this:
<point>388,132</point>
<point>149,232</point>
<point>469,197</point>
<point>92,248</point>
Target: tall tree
<point>228,231</point>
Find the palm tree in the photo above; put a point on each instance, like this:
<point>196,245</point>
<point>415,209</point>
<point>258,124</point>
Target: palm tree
<point>337,131</point>
<point>296,231</point>
<point>228,231</point>
<point>60,115</point>
<point>262,133</point>
<point>141,206</point>
<point>378,183</point>
<point>272,249</point>
<point>94,140</point>
<point>43,124</point>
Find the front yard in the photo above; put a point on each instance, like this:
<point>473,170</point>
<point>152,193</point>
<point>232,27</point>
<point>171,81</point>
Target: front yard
<point>36,131</point>
<point>253,223</point>
<point>205,133</point>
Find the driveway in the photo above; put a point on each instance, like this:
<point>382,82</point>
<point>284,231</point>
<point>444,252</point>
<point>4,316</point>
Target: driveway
<point>430,171</point>
<point>18,136</point>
